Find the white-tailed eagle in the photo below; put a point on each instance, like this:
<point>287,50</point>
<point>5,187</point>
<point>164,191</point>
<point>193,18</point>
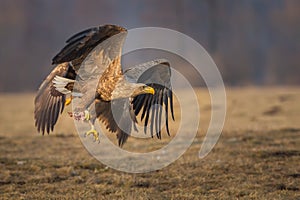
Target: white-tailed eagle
<point>135,90</point>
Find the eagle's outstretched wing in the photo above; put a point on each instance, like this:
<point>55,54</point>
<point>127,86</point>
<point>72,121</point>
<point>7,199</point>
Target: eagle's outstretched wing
<point>49,102</point>
<point>156,74</point>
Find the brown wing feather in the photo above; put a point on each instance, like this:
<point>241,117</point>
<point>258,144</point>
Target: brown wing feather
<point>112,120</point>
<point>157,77</point>
<point>81,44</point>
<point>49,103</point>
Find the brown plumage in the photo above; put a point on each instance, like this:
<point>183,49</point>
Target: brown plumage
<point>91,57</point>
<point>109,79</point>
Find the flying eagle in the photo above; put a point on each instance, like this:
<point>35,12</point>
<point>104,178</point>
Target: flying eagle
<point>96,52</point>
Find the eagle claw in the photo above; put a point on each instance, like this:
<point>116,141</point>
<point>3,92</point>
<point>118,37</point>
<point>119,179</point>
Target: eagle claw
<point>94,133</point>
<point>87,115</point>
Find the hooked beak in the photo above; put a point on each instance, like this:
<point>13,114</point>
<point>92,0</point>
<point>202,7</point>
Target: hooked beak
<point>149,90</point>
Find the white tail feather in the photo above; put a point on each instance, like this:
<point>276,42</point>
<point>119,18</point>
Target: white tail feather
<point>60,84</point>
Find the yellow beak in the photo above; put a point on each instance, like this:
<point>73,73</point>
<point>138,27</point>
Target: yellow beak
<point>149,90</point>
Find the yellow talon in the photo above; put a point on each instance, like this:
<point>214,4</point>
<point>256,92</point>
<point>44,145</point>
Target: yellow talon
<point>94,133</point>
<point>87,115</point>
<point>68,101</point>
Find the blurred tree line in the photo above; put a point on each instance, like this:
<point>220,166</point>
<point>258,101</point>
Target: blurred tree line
<point>253,42</point>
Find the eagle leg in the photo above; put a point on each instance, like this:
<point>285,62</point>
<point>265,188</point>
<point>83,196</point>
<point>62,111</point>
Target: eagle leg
<point>68,101</point>
<point>87,115</point>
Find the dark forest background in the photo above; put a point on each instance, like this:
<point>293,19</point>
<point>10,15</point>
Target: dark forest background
<point>253,42</point>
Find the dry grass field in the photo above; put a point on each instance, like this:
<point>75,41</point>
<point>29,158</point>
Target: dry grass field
<point>256,157</point>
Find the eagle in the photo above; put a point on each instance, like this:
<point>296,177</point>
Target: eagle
<point>92,58</point>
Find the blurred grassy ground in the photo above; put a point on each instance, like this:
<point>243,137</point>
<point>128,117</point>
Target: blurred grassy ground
<point>257,156</point>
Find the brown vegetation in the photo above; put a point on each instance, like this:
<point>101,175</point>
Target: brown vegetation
<point>256,157</point>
